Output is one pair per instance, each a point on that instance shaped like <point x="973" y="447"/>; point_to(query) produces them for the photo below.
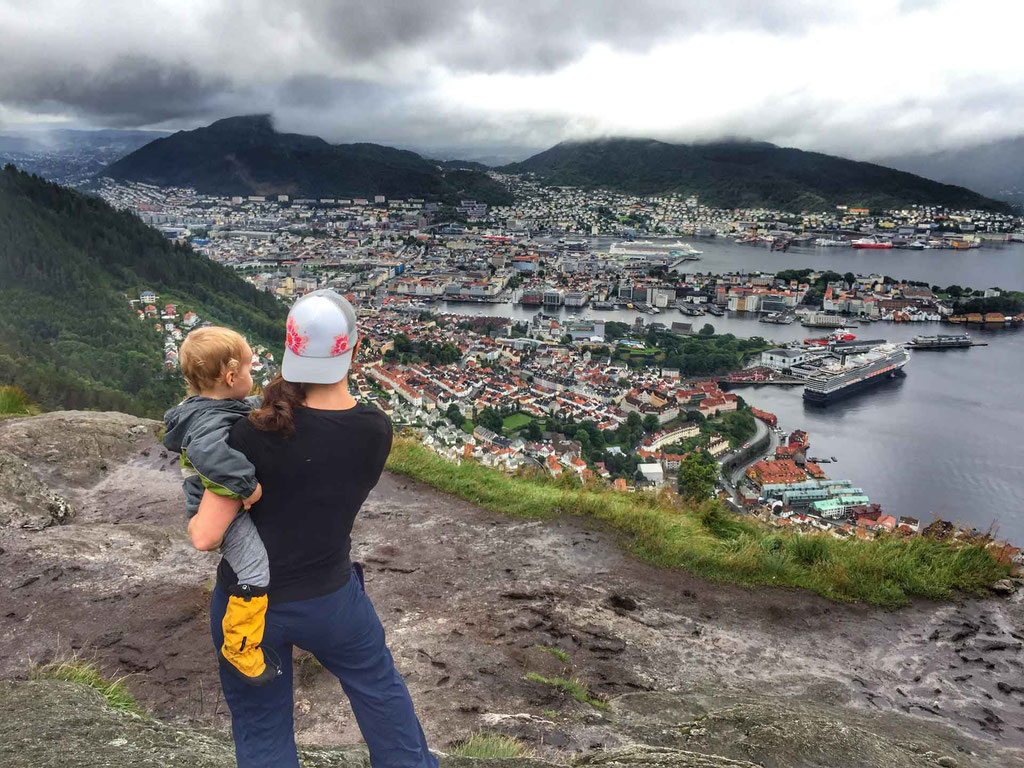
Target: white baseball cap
<point x="320" y="340"/>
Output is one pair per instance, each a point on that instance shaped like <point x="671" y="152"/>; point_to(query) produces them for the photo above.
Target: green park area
<point x="515" y="421"/>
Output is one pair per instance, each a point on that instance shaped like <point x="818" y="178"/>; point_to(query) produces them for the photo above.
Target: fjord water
<point x="947" y="440"/>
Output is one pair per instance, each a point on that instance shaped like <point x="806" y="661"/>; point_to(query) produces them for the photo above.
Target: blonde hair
<point x="207" y="354"/>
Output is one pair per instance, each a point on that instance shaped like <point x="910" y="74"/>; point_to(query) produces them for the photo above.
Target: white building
<point x="784" y="357"/>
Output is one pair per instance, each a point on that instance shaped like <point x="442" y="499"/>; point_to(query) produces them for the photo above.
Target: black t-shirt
<point x="314" y="483"/>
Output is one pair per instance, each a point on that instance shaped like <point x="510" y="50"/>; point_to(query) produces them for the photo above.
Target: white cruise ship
<point x="646" y="248"/>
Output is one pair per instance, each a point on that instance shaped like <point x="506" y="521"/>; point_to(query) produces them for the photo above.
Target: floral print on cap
<point x="296" y="340"/>
<point x="340" y="345"/>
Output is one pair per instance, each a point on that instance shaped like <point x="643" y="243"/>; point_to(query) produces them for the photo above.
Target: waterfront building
<point x="781" y="358"/>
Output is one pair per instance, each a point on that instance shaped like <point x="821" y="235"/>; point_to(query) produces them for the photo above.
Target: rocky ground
<point x="94" y="559"/>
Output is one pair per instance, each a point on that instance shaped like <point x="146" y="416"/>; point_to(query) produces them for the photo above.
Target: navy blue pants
<point x="343" y="632"/>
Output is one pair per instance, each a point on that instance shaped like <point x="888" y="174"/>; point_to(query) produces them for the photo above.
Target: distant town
<point x="577" y="394"/>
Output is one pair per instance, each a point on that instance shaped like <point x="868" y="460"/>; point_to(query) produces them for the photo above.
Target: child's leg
<point x="245" y="617"/>
<point x="243" y="548"/>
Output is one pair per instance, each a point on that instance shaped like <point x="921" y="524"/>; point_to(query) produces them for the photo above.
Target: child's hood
<point x="179" y="419"/>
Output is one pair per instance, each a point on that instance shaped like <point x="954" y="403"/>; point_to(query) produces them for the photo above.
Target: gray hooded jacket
<point x="198" y="429"/>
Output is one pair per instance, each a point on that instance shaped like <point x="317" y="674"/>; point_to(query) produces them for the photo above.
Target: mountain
<point x="68" y="336"/>
<point x="247" y="156"/>
<point x="740" y="174"/>
<point x="995" y="169"/>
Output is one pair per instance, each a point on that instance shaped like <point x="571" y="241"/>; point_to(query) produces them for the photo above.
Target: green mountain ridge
<point x="68" y="336"/>
<point x="246" y="156"/>
<point x="741" y="174"/>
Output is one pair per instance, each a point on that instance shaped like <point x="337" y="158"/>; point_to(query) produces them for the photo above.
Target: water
<point x="945" y="441"/>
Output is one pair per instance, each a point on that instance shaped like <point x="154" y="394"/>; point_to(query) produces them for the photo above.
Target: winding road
<point x="731" y="479"/>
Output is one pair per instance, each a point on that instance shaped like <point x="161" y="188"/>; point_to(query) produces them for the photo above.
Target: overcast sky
<point x="862" y="79"/>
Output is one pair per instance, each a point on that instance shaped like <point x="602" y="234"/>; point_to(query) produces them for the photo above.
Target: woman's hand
<point x="207" y="527"/>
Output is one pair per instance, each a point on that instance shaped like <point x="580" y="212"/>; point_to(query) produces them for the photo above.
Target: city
<point x="631" y="402"/>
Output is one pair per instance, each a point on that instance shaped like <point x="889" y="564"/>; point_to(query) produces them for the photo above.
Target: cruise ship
<point x="842" y="375"/>
<point x="641" y="248"/>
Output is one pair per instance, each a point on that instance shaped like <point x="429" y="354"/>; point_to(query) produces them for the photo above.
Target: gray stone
<point x="25" y="500"/>
<point x="77" y="447"/>
<point x="657" y="757"/>
<point x="65" y="725"/>
<point x="1004" y="587"/>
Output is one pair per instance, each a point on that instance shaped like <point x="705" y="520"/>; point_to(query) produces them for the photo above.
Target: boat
<point x="715" y="310"/>
<point x="822" y="320"/>
<point x="847" y="374"/>
<point x="640" y="248"/>
<point x="777" y="318"/>
<point x="828" y="242"/>
<point x="942" y="341"/>
<point x="841" y="335"/>
<point x="871" y="242"/>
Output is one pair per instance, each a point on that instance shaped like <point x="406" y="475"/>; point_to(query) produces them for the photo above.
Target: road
<point x="736" y="475"/>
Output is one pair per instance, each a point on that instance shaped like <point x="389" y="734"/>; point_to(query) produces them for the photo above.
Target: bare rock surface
<point x="25" y="500"/>
<point x="472" y="602"/>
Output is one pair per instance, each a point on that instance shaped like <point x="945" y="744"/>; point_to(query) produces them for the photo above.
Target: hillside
<point x="740" y="174"/>
<point x="247" y="156"/>
<point x="68" y="336"/>
<point x="474" y="602"/>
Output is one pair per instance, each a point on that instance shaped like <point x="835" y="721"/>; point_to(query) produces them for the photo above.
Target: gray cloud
<point x="404" y="71"/>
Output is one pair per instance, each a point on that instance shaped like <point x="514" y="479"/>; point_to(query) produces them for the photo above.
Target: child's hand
<point x="256" y="496"/>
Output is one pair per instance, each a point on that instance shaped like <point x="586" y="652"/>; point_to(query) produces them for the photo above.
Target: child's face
<point x="239" y="381"/>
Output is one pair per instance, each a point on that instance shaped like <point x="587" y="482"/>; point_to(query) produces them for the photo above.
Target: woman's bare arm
<point x="207" y="527"/>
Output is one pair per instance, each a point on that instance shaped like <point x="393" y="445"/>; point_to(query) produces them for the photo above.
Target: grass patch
<point x="491" y="746"/>
<point x="558" y="653"/>
<point x="14" y="402"/>
<point x="75" y="670"/>
<point x="572" y="686"/>
<point x="516" y="421"/>
<point x="716" y="545"/>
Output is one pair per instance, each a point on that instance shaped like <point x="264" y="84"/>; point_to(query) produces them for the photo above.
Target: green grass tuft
<point x="706" y="540"/>
<point x="491" y="746"/>
<point x="14" y="402"/>
<point x="558" y="653"/>
<point x="75" y="670"/>
<point x="572" y="686"/>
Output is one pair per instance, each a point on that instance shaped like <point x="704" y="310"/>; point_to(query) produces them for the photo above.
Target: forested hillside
<point x="68" y="264"/>
<point x="742" y="174"/>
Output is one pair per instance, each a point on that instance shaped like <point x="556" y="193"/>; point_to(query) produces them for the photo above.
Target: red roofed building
<point x="553" y="466"/>
<point x="781" y="472"/>
<point x="814" y="470"/>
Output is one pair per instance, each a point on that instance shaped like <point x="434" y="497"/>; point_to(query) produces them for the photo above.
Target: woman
<point x="317" y="454"/>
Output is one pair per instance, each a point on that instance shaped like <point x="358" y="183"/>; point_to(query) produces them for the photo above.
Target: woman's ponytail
<point x="280" y="399"/>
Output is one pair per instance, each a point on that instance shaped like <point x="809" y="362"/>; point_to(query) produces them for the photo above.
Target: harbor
<point x="938" y="443"/>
